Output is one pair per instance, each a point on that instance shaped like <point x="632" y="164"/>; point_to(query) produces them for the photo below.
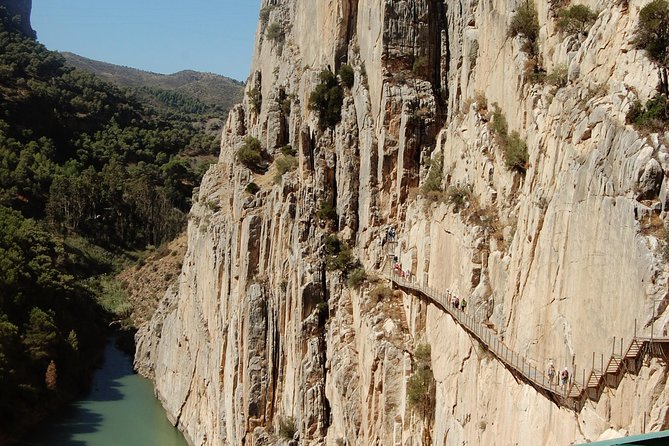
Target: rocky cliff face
<point x="261" y="338"/>
<point x="20" y="11"/>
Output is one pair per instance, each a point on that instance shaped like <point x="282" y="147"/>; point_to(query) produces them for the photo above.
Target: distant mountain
<point x="196" y="91"/>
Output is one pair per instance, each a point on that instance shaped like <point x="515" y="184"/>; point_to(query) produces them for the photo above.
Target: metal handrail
<point x="573" y="394"/>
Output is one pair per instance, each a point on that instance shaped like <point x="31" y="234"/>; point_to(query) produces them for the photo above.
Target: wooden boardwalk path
<point x="576" y="393"/>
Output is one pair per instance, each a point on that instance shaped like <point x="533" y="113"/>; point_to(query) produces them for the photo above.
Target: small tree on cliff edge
<point x="652" y="35"/>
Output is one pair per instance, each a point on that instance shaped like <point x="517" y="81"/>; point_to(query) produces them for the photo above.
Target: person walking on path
<point x="564" y="376"/>
<point x="463" y="304"/>
<point x="550" y="371"/>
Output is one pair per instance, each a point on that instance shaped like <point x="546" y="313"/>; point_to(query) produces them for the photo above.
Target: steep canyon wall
<point x="259" y="331"/>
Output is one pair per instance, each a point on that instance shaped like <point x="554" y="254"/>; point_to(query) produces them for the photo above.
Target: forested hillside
<point x="186" y="91"/>
<point x="89" y="177"/>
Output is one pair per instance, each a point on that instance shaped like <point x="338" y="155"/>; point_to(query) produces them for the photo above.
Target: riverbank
<point x="121" y="408"/>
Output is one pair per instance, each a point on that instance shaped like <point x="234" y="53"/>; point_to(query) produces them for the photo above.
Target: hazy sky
<point x="163" y="36"/>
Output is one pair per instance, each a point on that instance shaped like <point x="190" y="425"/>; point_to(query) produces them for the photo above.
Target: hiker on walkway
<point x="550" y="371"/>
<point x="390" y="234"/>
<point x="463" y="304"/>
<point x="457" y="302"/>
<point x="564" y="377"/>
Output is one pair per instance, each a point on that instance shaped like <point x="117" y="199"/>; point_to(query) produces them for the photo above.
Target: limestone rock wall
<point x="261" y="340"/>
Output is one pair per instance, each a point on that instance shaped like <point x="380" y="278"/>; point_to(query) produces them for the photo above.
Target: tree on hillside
<point x="652" y="35"/>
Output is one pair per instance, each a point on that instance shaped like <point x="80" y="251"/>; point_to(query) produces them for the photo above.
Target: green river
<point x="121" y="410"/>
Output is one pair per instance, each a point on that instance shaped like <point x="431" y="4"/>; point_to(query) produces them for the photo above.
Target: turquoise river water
<point x="121" y="410"/>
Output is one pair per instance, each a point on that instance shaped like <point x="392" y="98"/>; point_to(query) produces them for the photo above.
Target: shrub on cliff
<point x="255" y="99"/>
<point x="525" y="22"/>
<point x="346" y="75"/>
<point x="576" y="19"/>
<point x="250" y="153"/>
<point x="287" y="428"/>
<point x="516" y="155"/>
<point x="435" y="176"/>
<point x="652" y="33"/>
<point x="513" y="147"/>
<point x="275" y="32"/>
<point x="357" y="277"/>
<point x="327" y="99"/>
<point x="420" y="386"/>
<point x="653" y="117"/>
<point x="558" y="77"/>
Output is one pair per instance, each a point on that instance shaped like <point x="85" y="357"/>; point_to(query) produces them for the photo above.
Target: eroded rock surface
<point x="260" y="342"/>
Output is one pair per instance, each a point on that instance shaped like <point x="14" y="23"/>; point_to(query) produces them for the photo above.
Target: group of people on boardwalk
<point x="457" y="303"/>
<point x="564" y="375"/>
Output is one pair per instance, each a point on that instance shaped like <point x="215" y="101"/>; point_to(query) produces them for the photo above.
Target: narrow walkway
<point x="576" y="393"/>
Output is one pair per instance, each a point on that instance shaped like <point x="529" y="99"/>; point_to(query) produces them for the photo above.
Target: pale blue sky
<point x="163" y="36"/>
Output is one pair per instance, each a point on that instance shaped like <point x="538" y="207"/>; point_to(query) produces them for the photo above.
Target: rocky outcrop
<point x="262" y="341"/>
<point x="19" y="11"/>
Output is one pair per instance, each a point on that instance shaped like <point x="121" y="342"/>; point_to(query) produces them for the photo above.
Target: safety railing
<point x="574" y="393"/>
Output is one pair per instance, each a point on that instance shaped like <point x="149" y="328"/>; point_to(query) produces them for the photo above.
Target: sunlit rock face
<point x="260" y="340"/>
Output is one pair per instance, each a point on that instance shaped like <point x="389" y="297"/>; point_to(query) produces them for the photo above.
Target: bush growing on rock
<point x="652" y="117"/>
<point x="516" y="156"/>
<point x="288" y="150"/>
<point x="252" y="188"/>
<point x="458" y="195"/>
<point x="558" y="77"/>
<point x="346" y="75"/>
<point x="381" y="292"/>
<point x="525" y="22"/>
<point x="326" y="211"/>
<point x="287" y="428"/>
<point x="255" y="99"/>
<point x="576" y="19"/>
<point x="327" y="99"/>
<point x="275" y="32"/>
<point x="286" y="164"/>
<point x="356" y="278"/>
<point x="652" y="33"/>
<point x="250" y="153"/>
<point x="513" y="147"/>
<point x="420" y="385"/>
<point x="435" y="176"/>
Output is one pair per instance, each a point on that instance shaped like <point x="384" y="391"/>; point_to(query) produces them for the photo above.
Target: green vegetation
<point x="286" y="163"/>
<point x="47" y="313"/>
<point x="327" y="211"/>
<point x="252" y="188"/>
<point x="288" y="150"/>
<point x="264" y="15"/>
<point x="381" y="293"/>
<point x="458" y="195"/>
<point x="652" y="117"/>
<point x="339" y="256"/>
<point x="516" y="155"/>
<point x="250" y="153"/>
<point x="558" y="77"/>
<point x="356" y="278"/>
<point x="576" y="19"/>
<point x="525" y="22"/>
<point x="327" y="99"/>
<point x="89" y="177"/>
<point x="435" y="176"/>
<point x="275" y="32"/>
<point x="255" y="99"/>
<point x="420" y="386"/>
<point x="192" y="95"/>
<point x="652" y="33"/>
<point x="287" y="428"/>
<point x="346" y="75"/>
